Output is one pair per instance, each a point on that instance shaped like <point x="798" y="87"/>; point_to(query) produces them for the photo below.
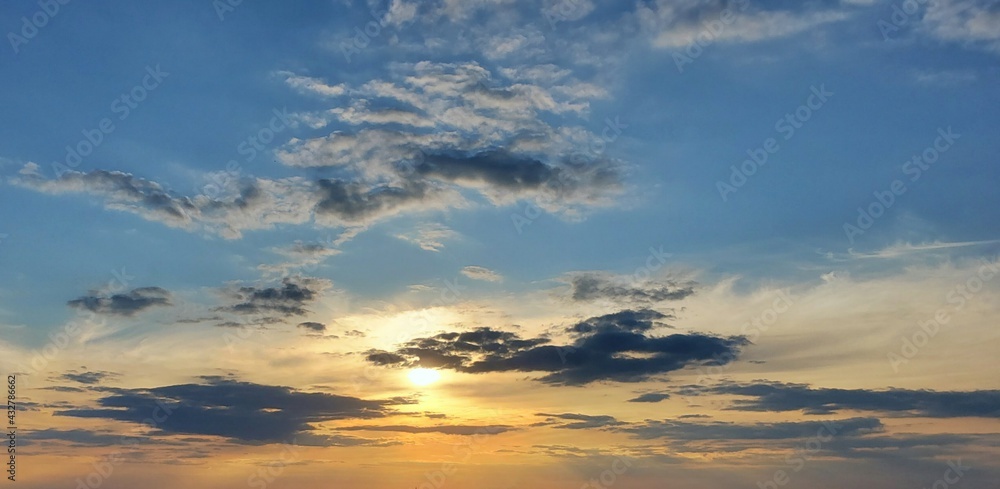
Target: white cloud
<point x="676" y="25"/>
<point x="481" y="273"/>
<point x="307" y="84"/>
<point x="429" y="236"/>
<point x="974" y="22"/>
<point x="901" y="249"/>
<point x="946" y="78"/>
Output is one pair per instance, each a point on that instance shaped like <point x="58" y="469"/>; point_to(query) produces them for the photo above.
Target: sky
<point x="501" y="243"/>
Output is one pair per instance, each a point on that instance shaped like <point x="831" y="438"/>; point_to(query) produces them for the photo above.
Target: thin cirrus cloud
<point x="299" y="255"/>
<point x="615" y="347"/>
<point x="680" y="24"/>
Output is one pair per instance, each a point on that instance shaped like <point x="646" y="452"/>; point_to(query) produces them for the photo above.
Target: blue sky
<point x="268" y="164"/>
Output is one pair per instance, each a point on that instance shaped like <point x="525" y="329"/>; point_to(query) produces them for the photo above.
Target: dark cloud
<point x="354" y="202"/>
<point x="247" y="205"/>
<point x="385" y="358"/>
<point x="197" y="320"/>
<point x="126" y="304"/>
<point x="77" y="437"/>
<point x="650" y="397"/>
<point x="775" y="396"/>
<point x="615" y="347"/>
<point x="445" y="429"/>
<point x="578" y="421"/>
<point x="313" y="326"/>
<point x="88" y="377"/>
<point x="64" y="388"/>
<point x="241" y="411"/>
<point x="497" y="168"/>
<point x="681" y="430"/>
<point x="586" y="287"/>
<point x="300" y="249"/>
<point x="288" y="299"/>
<point x="504" y="171"/>
<point x="156" y="201"/>
<point x="635" y="321"/>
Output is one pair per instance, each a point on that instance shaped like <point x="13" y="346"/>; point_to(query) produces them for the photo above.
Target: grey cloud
<point x="250" y="204"/>
<point x="290" y="298"/>
<point x="78" y="437"/>
<point x="650" y="397"/>
<point x="579" y="421"/>
<point x="590" y="286"/>
<point x="89" y="378"/>
<point x="125" y="304"/>
<point x="355" y="203"/>
<point x="313" y="326"/>
<point x="681" y="430"/>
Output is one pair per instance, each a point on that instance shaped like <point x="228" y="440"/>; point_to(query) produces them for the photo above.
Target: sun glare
<point x="424" y="376"/>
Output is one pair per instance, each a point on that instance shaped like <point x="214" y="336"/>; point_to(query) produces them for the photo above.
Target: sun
<point x="424" y="376"/>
